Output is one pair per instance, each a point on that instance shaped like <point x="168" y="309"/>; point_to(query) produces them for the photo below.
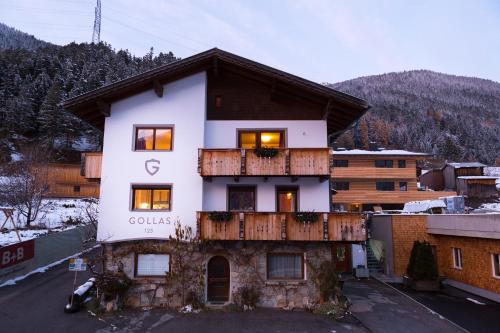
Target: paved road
<point x="383" y="309"/>
<point x="36" y="305"/>
<point x="453" y="304"/>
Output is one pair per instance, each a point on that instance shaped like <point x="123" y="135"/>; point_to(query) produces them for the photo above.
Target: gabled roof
<point x="340" y="110"/>
<point x="466" y="165"/>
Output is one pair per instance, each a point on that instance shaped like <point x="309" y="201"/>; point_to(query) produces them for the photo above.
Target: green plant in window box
<point x="266" y="152"/>
<point x="220" y="216"/>
<point x="306" y="217"/>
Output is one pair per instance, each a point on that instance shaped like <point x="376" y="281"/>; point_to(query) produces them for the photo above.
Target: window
<point x="153" y="138"/>
<point x="340" y="163"/>
<point x="401" y="163"/>
<point x="340" y="186"/>
<point x="261" y="139"/>
<point x="289" y="266"/>
<point x="241" y="198"/>
<point x="156" y="197"/>
<point x="76" y="188"/>
<point x="152" y="264"/>
<point x="403" y="186"/>
<point x="383" y="163"/>
<point x="286" y="199"/>
<point x="496" y="264"/>
<point x="384" y="186"/>
<point x="218" y="102"/>
<point x="457" y="257"/>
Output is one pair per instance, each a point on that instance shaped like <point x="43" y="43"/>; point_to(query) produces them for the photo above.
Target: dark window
<point x="383" y="163"/>
<point x="76" y="188"/>
<point x="385" y="186"/>
<point x="261" y="139"/>
<point x="401" y="163"/>
<point x="289" y="266"/>
<point x="218" y="102"/>
<point x="156" y="197"/>
<point x="340" y="186"/>
<point x="403" y="186"/>
<point x="496" y="264"/>
<point x="286" y="199"/>
<point x="153" y="138"/>
<point x="241" y="198"/>
<point x="340" y="163"/>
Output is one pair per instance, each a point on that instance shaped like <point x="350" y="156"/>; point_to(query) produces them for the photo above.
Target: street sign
<point x="78" y="264"/>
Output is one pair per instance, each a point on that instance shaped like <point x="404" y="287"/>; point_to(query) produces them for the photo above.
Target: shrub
<point x="327" y="281"/>
<point x="73" y="221"/>
<point x="195" y="300"/>
<point x="112" y="285"/>
<point x="422" y="264"/>
<point x="247" y="296"/>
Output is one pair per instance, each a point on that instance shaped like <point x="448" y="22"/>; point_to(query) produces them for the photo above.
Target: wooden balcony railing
<point x="91" y="165"/>
<point x="262" y="226"/>
<point x="244" y="162"/>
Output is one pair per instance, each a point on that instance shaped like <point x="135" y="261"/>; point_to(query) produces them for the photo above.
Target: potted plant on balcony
<point x="422" y="268"/>
<point x="306" y="217"/>
<point x="266" y="152"/>
<point x="220" y="216"/>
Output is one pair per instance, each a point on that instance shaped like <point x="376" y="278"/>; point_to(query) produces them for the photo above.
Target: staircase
<point x="373" y="264"/>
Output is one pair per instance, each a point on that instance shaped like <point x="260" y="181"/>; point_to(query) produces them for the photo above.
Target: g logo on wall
<point x="152" y="166"/>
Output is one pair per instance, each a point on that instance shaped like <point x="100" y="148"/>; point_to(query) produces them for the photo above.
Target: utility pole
<point x="96" y="34"/>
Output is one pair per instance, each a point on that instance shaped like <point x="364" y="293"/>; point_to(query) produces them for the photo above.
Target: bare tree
<point x="27" y="183"/>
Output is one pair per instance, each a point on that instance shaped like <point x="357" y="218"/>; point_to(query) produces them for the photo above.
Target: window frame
<point x="258" y="132"/>
<point x="142" y="186"/>
<point x="382" y="190"/>
<point x="497" y="260"/>
<point x="341" y="182"/>
<point x="154" y="128"/>
<point x="389" y="164"/>
<point x="302" y="271"/>
<point x="294" y="189"/>
<point x="405" y="186"/>
<point x="232" y="187"/>
<point x="401" y="164"/>
<point x="136" y="264"/>
<point x="336" y="163"/>
<point x="454" y="251"/>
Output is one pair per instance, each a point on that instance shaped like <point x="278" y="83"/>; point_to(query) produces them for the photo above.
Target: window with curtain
<point x="289" y="266"/>
<point x="156" y="197"/>
<point x="152" y="264"/>
<point x="153" y="138"/>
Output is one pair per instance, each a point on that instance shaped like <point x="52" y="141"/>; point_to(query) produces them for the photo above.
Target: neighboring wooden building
<point x="453" y="170"/>
<point x="477" y="186"/>
<point x="366" y="180"/>
<point x="467" y="247"/>
<point x="432" y="179"/>
<point x="65" y="181"/>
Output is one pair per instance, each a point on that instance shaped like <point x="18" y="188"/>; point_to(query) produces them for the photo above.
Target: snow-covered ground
<point x="53" y="217"/>
<point x="494" y="206"/>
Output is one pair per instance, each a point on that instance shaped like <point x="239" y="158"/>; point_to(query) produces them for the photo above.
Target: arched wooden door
<point x="218" y="279"/>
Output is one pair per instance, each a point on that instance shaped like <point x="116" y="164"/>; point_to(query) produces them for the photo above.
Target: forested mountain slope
<point x="452" y="117"/>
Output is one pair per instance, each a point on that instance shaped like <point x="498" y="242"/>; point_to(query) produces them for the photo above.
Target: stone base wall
<point x="248" y="267"/>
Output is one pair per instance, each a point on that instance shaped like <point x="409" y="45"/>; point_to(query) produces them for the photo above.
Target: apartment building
<point x="234" y="150"/>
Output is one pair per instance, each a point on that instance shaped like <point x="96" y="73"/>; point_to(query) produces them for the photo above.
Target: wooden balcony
<point x="294" y="162"/>
<point x="91" y="165"/>
<point x="272" y="226"/>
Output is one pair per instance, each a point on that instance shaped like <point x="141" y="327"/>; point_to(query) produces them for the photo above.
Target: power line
<point x="96" y="34"/>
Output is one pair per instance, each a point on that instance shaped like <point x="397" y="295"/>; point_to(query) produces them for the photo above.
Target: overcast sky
<point x="322" y="40"/>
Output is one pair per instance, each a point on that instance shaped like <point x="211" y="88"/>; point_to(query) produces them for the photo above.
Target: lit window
<point x="285" y="266"/>
<point x="286" y="199"/>
<point x="496" y="264"/>
<point x="151" y="198"/>
<point x="152" y="264"/>
<point x="153" y="139"/>
<point x="261" y="139"/>
<point x="457" y="257"/>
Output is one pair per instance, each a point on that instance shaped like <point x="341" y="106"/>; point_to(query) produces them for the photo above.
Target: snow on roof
<point x="492" y="171"/>
<point x="466" y="165"/>
<point x="424" y="172"/>
<point x="476" y="177"/>
<point x="377" y="152"/>
<point x="422" y="206"/>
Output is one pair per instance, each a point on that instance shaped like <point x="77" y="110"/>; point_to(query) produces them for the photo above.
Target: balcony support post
<point x="242" y="225"/>
<point x="198" y="225"/>
<point x="287" y="162"/>
<point x="283" y="226"/>
<point x="243" y="167"/>
<point x="325" y="226"/>
<point x="200" y="157"/>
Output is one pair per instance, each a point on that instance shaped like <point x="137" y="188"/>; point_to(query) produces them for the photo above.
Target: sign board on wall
<point x="16" y="253"/>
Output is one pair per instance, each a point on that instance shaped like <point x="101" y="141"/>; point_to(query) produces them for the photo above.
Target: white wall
<point x="182" y="105"/>
<point x="299" y="133"/>
<point x="313" y="195"/>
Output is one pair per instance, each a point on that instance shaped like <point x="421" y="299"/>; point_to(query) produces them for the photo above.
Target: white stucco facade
<point x="183" y="106"/>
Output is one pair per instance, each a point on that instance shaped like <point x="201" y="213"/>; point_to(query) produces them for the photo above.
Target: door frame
<point x="229" y="296"/>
